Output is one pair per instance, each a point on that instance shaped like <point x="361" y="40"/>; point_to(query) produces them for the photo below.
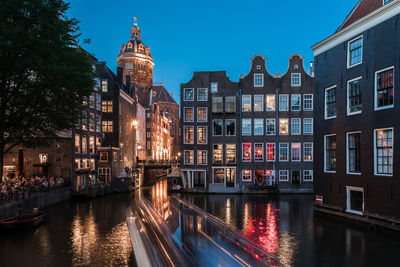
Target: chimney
<point x="312" y="68"/>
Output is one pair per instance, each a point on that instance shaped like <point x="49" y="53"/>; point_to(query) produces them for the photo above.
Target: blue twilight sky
<point x="186" y="36"/>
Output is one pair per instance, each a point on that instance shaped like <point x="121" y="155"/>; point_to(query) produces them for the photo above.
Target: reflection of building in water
<point x="160" y="198"/>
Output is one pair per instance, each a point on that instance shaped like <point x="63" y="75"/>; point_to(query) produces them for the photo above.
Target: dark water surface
<point x="94" y="233"/>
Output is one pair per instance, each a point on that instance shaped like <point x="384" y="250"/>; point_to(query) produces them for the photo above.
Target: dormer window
<point x="258" y="80"/>
<point x="296" y="79"/>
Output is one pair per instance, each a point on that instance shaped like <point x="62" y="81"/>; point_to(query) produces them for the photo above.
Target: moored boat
<point x="26" y="220"/>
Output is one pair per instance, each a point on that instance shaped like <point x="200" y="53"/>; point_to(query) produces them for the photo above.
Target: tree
<point x="44" y="75"/>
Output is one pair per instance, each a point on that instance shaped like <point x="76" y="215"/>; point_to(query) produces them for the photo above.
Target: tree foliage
<point x="44" y="75"/>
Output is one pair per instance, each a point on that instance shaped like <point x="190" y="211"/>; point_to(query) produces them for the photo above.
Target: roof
<point x="160" y="93"/>
<point x="361" y="9"/>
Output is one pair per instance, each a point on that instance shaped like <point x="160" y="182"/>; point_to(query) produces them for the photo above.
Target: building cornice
<point x="126" y="97"/>
<point x="378" y="16"/>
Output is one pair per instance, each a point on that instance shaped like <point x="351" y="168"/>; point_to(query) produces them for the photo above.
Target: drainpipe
<point x="239" y="131"/>
<point x="276" y="162"/>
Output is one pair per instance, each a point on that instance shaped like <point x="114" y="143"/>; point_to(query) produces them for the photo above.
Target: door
<point x="295" y="177"/>
<point x="230" y="177"/>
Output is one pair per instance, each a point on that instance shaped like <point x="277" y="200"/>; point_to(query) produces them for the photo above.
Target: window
<point x="307" y="175"/>
<point x="296" y="126"/>
<point x="84" y="144"/>
<point x="85" y="121"/>
<point x="217" y="154"/>
<point x="189" y="157"/>
<point x="354" y="52"/>
<point x="308" y="102"/>
<point x="246" y="152"/>
<point x="270" y="127"/>
<point x="217" y="127"/>
<point x="104" y="86"/>
<point x="199" y="178"/>
<point x="283" y="126"/>
<point x="202" y="114"/>
<point x="107" y="126"/>
<point x="296" y="102"/>
<point x="217" y="104"/>
<point x="98" y="123"/>
<point x="270" y="150"/>
<point x="354" y="96"/>
<point x="77" y="143"/>
<point x="230" y="154"/>
<point x="308" y="125"/>
<point x="201" y="135"/>
<point x="355" y="199"/>
<point x="103" y="156"/>
<point x="202" y="157"/>
<point x="283" y="176"/>
<point x="270" y="103"/>
<point x="308" y="151"/>
<point x="330" y="153"/>
<point x="188" y="94"/>
<point x="296" y="79"/>
<point x="259" y="67"/>
<point x="296" y="151"/>
<point x="330" y="103"/>
<point x="189" y="134"/>
<point x="246" y="103"/>
<point x="91" y="145"/>
<point x="246" y="176"/>
<point x="230" y="104"/>
<point x="246" y="126"/>
<point x="258" y="126"/>
<point x="354" y="153"/>
<point x="259" y="177"/>
<point x="202" y="94"/>
<point x="283" y="102"/>
<point x="230" y="127"/>
<point x="188" y="114"/>
<point x="258" y="80"/>
<point x="258" y="152"/>
<point x="284" y="151"/>
<point x="106" y="106"/>
<point x="219" y="175"/>
<point x="383" y="151"/>
<point x="92" y="122"/>
<point x="258" y="102"/>
<point x="98" y="102"/>
<point x="214" y="87"/>
<point x="384" y="89"/>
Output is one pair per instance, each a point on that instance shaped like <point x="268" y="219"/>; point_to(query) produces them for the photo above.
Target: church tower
<point x="135" y="61"/>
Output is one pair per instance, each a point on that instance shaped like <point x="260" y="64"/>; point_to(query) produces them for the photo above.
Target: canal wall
<point x="40" y="200"/>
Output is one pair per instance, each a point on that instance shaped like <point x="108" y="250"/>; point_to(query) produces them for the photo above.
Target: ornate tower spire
<point x="135" y="31"/>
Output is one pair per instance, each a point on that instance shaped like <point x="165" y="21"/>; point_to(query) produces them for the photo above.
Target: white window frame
<point x="312" y="151"/>
<point x="249" y="98"/>
<point x="267" y="124"/>
<point x="348" y="51"/>
<point x="287" y="149"/>
<point x="312" y="126"/>
<point x="222" y="151"/>
<point x="291" y="126"/>
<point x="251" y="127"/>
<point x="291" y="152"/>
<point x="216" y="87"/>
<point x="376" y="108"/>
<point x="348" y="97"/>
<point x="287" y="101"/>
<point x="212" y="128"/>
<point x="266" y="103"/>
<point x="312" y="176"/>
<point x="254" y="103"/>
<point x="226" y="154"/>
<point x="376" y="156"/>
<point x="288" y="129"/>
<point x="287" y="176"/>
<point x="184" y="114"/>
<point x="184" y="132"/>
<point x="304" y="102"/>
<point x="347" y="154"/>
<point x="213" y="175"/>
<point x="206" y="161"/>
<point x="325" y="107"/>
<point x="251" y="176"/>
<point x="266" y="152"/>
<point x="348" y="203"/>
<point x="254" y="151"/>
<point x="262" y="80"/>
<point x="197" y="133"/>
<point x="292" y="77"/>
<point x="251" y="151"/>
<point x="325" y="136"/>
<point x="226" y="128"/>
<point x="291" y="102"/>
<point x="198" y="108"/>
<point x="184" y="157"/>
<point x="202" y="100"/>
<point x="184" y="94"/>
<point x="254" y="125"/>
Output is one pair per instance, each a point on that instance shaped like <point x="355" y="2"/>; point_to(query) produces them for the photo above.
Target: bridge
<point x="168" y="231"/>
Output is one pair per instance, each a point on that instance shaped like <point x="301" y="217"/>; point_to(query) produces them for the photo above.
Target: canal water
<point x="94" y="233"/>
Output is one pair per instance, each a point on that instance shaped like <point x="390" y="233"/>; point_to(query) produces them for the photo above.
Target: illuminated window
<point x="246" y="152"/>
<point x="106" y="106"/>
<point x="296" y="79"/>
<point x="246" y="103"/>
<point x="107" y="126"/>
<point x="188" y="157"/>
<point x="270" y="103"/>
<point x="246" y="126"/>
<point x="283" y="151"/>
<point x="189" y="132"/>
<point x="188" y="114"/>
<point x="308" y="151"/>
<point x="296" y="151"/>
<point x="296" y="102"/>
<point x="217" y="103"/>
<point x="43" y="158"/>
<point x="202" y="157"/>
<point x="283" y="126"/>
<point x="201" y="135"/>
<point x="259" y="177"/>
<point x="202" y="94"/>
<point x="270" y="127"/>
<point x="104" y="86"/>
<point x="246" y="176"/>
<point x="383" y="152"/>
<point x="84" y="144"/>
<point x="258" y="102"/>
<point x="283" y="102"/>
<point x="202" y="114"/>
<point x="103" y="156"/>
<point x="258" y="152"/>
<point x="77" y="143"/>
<point x="258" y="80"/>
<point x="270" y="151"/>
<point x="258" y="126"/>
<point x="91" y="145"/>
<point x="219" y="175"/>
<point x="330" y="153"/>
<point x="230" y="154"/>
<point x="217" y="153"/>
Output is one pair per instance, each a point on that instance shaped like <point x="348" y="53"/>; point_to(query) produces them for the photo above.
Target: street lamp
<point x="135" y="123"/>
